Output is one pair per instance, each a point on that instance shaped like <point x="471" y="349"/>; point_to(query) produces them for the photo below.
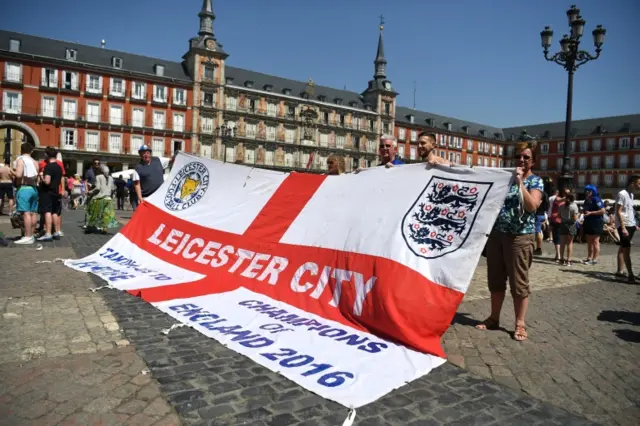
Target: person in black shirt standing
<point x="120" y="186"/>
<point x="148" y="175"/>
<point x="50" y="198"/>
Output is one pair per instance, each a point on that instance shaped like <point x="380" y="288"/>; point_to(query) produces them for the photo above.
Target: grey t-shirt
<point x="568" y="211"/>
<point x="151" y="176"/>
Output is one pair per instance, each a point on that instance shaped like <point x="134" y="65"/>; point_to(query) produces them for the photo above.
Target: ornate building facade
<point x="91" y="101"/>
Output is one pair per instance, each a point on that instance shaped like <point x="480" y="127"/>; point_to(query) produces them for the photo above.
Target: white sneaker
<point x="26" y="240"/>
<point x="46" y="237"/>
<point x="60" y="234"/>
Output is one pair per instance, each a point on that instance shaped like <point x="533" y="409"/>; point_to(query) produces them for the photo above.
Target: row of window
<point x="453" y="142"/>
<point x="69" y="141"/>
<point x="612" y="144"/>
<point x="12" y="103"/>
<point x="583" y="162"/>
<point x="594" y="179"/>
<point x="94" y="84"/>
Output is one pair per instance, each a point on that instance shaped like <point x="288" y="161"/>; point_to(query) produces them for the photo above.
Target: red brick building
<point x="92" y="101"/>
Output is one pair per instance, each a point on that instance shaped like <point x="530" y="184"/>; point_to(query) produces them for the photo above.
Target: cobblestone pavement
<point x="63" y="357"/>
<point x="207" y="383"/>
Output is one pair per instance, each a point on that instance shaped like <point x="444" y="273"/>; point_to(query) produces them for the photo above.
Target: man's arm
<point x="620" y="217"/>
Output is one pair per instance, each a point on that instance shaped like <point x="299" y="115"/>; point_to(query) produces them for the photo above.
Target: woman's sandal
<point x="489" y="324"/>
<point x="520" y="334"/>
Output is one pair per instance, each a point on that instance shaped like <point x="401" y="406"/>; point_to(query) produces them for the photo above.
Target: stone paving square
<point x="71" y="356"/>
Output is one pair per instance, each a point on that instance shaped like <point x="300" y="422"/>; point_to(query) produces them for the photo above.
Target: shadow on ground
<point x="625" y="318"/>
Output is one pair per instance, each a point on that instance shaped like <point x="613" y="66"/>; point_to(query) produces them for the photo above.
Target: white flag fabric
<point x="343" y="284"/>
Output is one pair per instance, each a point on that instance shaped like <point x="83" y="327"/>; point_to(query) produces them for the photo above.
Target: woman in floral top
<point x="511" y="243"/>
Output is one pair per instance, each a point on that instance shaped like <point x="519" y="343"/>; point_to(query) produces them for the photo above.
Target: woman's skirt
<point x="101" y="214"/>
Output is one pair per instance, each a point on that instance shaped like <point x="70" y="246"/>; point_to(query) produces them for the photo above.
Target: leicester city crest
<point x="442" y="217"/>
<point x="187" y="187"/>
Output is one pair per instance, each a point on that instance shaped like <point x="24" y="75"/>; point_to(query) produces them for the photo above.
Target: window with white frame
<point x="479" y="161"/>
<point x="510" y="150"/>
<point x="230" y="153"/>
<point x="500" y="150"/>
<point x="208" y="73"/>
<point x="469" y="145"/>
<point x="178" y="122"/>
<point x="92" y="140"/>
<point x="340" y="141"/>
<point x="206" y="125"/>
<point x="251" y="130"/>
<point x="271" y="133"/>
<point x="401" y="150"/>
<point x="71" y="54"/>
<point x="611" y="144"/>
<point x="157" y="145"/>
<point x="560" y="147"/>
<point x="49" y="77"/>
<point x="231" y="103"/>
<point x="138" y="117"/>
<point x="595" y="179"/>
<point x="138" y="90"/>
<point x="595" y="162"/>
<point x="69" y="109"/>
<point x="289" y="135"/>
<point x="636" y="161"/>
<point x="116" y="88"/>
<point x="136" y="142"/>
<point x="469" y="160"/>
<point x="249" y="156"/>
<point x="486" y="162"/>
<point x="608" y="180"/>
<point x="622" y="161"/>
<point x="116" y="62"/>
<point x="608" y="161"/>
<point x="69" y="80"/>
<point x="544" y="148"/>
<point x="596" y="145"/>
<point x="115" y="143"/>
<point x="69" y="138"/>
<point x="412" y="153"/>
<point x="355" y="122"/>
<point x="324" y="139"/>
<point x="272" y="109"/>
<point x="414" y="135"/>
<point x="13" y="72"/>
<point x="209" y="99"/>
<point x="582" y="180"/>
<point x="372" y="146"/>
<point x="268" y="158"/>
<point x="94" y="83"/>
<point x="493" y="162"/>
<point x="622" y="181"/>
<point x="584" y="146"/>
<point x="115" y="114"/>
<point x="544" y="163"/>
<point x="582" y="163"/>
<point x="48" y="106"/>
<point x="159" y="93"/>
<point x="401" y="133"/>
<point x="158" y="120"/>
<point x="636" y="142"/>
<point x="559" y="163"/>
<point x="624" y="143"/>
<point x="179" y="96"/>
<point x="176" y="145"/>
<point x="93" y="112"/>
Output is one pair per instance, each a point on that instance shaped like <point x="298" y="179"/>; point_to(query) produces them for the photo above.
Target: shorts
<point x="50" y="202"/>
<point x="555" y="233"/>
<point x="6" y="189"/>
<point x="27" y="199"/>
<point x="539" y="222"/>
<point x="593" y="227"/>
<point x="509" y="258"/>
<point x="569" y="228"/>
<point x="625" y="241"/>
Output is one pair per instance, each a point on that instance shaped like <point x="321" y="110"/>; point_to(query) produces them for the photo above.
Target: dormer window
<point x="338" y="101"/>
<point x="512" y="137"/>
<point x="483" y="132"/>
<point x="116" y="62"/>
<point x="498" y="135"/>
<point x="465" y="129"/>
<point x="159" y="70"/>
<point x="599" y="129"/>
<point x="304" y="95"/>
<point x="71" y="55"/>
<point x="322" y="98"/>
<point x="547" y="134"/>
<point x="411" y="118"/>
<point x="430" y="122"/>
<point x="229" y="80"/>
<point x="286" y="91"/>
<point x="268" y="87"/>
<point x="447" y="126"/>
<point x="353" y="104"/>
<point x="367" y="107"/>
<point x="14" y="45"/>
<point x="248" y="84"/>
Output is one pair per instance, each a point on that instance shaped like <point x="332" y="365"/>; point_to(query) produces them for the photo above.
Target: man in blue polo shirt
<point x="388" y="151"/>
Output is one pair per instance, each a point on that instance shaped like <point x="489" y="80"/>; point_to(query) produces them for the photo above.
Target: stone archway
<point x="32" y="137"/>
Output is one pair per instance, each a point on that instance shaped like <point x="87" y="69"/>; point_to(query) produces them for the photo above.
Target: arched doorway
<point x="29" y="136"/>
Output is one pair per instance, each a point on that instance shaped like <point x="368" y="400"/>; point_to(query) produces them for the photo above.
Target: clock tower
<point x="380" y="94"/>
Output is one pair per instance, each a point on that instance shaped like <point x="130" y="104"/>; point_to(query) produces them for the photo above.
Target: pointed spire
<point x="380" y="63"/>
<point x="206" y="18"/>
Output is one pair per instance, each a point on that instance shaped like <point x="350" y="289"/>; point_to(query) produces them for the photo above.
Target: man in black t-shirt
<point x="50" y="198"/>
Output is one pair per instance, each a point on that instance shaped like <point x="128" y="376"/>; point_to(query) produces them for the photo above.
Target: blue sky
<point x="475" y="60"/>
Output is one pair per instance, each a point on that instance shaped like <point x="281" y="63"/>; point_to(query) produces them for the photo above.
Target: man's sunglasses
<point x="524" y="157"/>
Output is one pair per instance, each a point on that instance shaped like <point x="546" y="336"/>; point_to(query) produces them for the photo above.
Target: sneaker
<point x="26" y="240"/>
<point x="537" y="252"/>
<point x="61" y="234"/>
<point x="46" y="237"/>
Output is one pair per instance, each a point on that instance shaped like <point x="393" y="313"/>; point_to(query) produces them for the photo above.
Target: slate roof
<point x="56" y="49"/>
<point x="439" y="121"/>
<point x="240" y="76"/>
<point x="580" y="128"/>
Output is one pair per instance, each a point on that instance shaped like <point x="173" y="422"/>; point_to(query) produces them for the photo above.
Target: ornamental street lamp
<point x="570" y="57"/>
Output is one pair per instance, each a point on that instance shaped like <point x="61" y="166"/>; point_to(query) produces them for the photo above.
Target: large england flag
<point x="343" y="284"/>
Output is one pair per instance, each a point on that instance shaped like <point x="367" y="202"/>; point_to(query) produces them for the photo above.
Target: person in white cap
<point x="148" y="175"/>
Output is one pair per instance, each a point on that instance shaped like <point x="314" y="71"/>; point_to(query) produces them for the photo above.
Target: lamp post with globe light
<point x="570" y="57"/>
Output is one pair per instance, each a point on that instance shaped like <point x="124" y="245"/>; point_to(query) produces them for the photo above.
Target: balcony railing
<point x="13" y="77"/>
